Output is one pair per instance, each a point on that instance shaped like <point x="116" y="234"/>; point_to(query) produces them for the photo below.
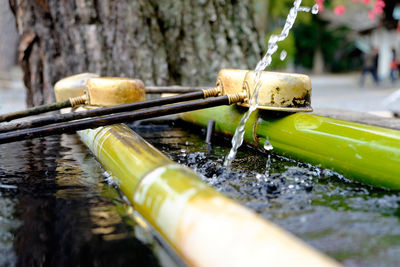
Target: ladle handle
<point x="74" y="126"/>
<point x="35" y="110"/>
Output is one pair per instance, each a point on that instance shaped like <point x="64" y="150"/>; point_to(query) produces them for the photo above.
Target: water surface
<point x="353" y="223"/>
<point x="57" y="210"/>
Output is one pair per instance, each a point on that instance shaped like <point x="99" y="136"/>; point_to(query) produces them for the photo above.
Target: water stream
<point x="237" y="139"/>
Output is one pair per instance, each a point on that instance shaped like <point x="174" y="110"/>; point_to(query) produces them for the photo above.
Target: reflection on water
<point x="55" y="209"/>
<point x="355" y="224"/>
<point x="8" y="224"/>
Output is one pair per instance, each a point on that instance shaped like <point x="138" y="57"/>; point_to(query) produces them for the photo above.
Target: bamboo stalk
<point x="59" y="118"/>
<point x="73" y="126"/>
<point x="201" y="224"/>
<point x="361" y="152"/>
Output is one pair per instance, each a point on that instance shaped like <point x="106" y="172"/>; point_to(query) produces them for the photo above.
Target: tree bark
<point x="162" y="42"/>
<point x="8" y="40"/>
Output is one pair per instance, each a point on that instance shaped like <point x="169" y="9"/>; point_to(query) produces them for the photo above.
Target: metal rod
<point x="35" y="110"/>
<point x="101" y="111"/>
<point x="73" y="126"/>
<point x="210" y="131"/>
<point x="172" y="89"/>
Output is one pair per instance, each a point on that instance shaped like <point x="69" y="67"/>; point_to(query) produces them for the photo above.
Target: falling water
<point x="237" y="139"/>
<point x="268" y="147"/>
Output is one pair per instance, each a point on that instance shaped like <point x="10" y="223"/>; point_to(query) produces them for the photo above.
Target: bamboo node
<point x="211" y="92"/>
<point x="79" y="100"/>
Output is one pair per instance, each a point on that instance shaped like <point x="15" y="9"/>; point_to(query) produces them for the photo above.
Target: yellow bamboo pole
<point x="205" y="227"/>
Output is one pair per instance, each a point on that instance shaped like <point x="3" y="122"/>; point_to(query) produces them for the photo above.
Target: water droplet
<point x="283" y="55"/>
<point x="268" y="146"/>
<point x="315" y="9"/>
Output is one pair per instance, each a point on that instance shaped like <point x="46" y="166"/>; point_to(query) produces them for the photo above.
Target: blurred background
<point x="331" y="47"/>
<point x="12" y="90"/>
<point x="323" y="43"/>
<point x="332" y="41"/>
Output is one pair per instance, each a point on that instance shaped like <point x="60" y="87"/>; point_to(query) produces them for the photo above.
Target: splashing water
<point x="268" y="147"/>
<point x="237" y="139"/>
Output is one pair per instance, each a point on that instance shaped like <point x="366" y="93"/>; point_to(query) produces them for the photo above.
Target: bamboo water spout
<point x="287" y="92"/>
<point x="364" y="153"/>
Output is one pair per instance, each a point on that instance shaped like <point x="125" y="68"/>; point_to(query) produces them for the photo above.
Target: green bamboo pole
<point x="361" y="152"/>
<point x="205" y="228"/>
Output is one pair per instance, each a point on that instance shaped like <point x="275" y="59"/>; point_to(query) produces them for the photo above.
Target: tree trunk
<point x="161" y="42"/>
<point x="8" y="40"/>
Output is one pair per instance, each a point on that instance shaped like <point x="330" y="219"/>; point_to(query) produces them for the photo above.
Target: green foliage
<point x="307" y="40"/>
<point x="338" y="52"/>
<point x="309" y="34"/>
